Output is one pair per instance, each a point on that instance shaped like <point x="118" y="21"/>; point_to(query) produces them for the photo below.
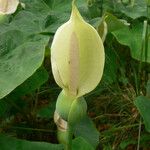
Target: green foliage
<point x="80" y="144"/>
<point x="28" y="92"/>
<point x="48" y="111"/>
<point x="31" y="84"/>
<point x="21" y="45"/>
<point x="17" y="55"/>
<point x="113" y="22"/>
<point x="132" y="37"/>
<point x="16" y="144"/>
<point x="133" y="9"/>
<point x="27" y="87"/>
<point x="148" y="89"/>
<point x="110" y="71"/>
<point x="87" y="130"/>
<point x="125" y="143"/>
<point x="143" y="105"/>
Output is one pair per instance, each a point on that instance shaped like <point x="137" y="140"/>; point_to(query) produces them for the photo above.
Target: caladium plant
<point x="77" y="58"/>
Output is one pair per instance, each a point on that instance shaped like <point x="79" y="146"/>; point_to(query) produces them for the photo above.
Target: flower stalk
<point x="77" y="58"/>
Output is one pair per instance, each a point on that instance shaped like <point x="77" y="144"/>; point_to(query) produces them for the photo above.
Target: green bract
<point x="77" y="56"/>
<point x="71" y="109"/>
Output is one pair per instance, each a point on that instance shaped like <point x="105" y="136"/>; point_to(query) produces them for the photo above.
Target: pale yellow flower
<point x="8" y="6"/>
<point x="77" y="56"/>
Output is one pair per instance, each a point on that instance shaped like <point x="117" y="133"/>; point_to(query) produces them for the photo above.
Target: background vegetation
<point x="119" y="107"/>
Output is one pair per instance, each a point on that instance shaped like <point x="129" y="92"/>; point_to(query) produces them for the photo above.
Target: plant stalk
<point x="70" y="134"/>
<point x="143" y="50"/>
<point x="139" y="135"/>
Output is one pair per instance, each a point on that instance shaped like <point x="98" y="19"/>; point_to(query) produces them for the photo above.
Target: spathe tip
<point x="73" y="2"/>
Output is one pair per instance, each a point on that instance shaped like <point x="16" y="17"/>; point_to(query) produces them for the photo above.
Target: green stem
<point x="70" y="134"/>
<point x="146" y="44"/>
<point x="143" y="49"/>
<point x="135" y="79"/>
<point x="65" y="137"/>
<point x="3" y="19"/>
<point x="139" y="135"/>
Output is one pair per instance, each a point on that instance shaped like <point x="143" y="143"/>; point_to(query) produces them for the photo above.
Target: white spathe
<point x="8" y="6"/>
<point x="77" y="56"/>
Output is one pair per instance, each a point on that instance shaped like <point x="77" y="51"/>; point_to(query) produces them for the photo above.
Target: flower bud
<point x="77" y="56"/>
<point x="70" y="109"/>
<point x="8" y="6"/>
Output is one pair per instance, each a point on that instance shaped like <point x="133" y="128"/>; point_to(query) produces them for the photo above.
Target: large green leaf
<point x="132" y="37"/>
<point x="131" y="8"/>
<point x="143" y="105"/>
<point x="20" y="57"/>
<point x="22" y="47"/>
<point x="113" y="22"/>
<point x="134" y="9"/>
<point x="30" y="20"/>
<point x="9" y="143"/>
<point x="32" y="83"/>
<point x="22" y="23"/>
<point x="88" y="131"/>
